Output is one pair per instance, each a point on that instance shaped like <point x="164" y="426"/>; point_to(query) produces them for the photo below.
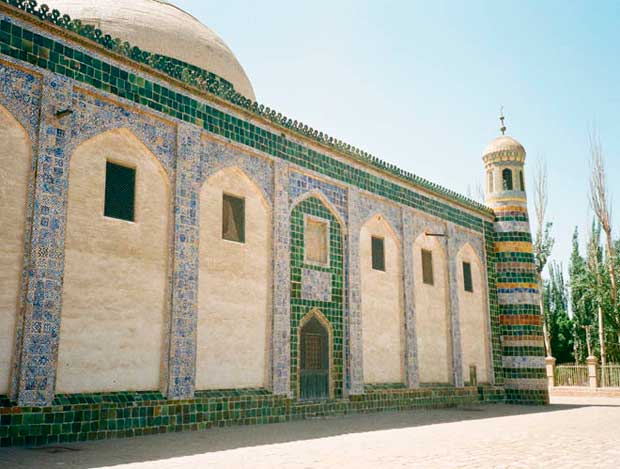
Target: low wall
<point x="583" y="391"/>
<point x="81" y="417"/>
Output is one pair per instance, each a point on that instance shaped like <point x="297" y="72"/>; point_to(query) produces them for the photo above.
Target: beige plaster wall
<point x="115" y="284"/>
<point x="472" y="317"/>
<point x="15" y="167"/>
<point x="432" y="314"/>
<point x="382" y="307"/>
<point x="234" y="296"/>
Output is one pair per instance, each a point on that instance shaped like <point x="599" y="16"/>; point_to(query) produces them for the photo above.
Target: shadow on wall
<point x="174" y="445"/>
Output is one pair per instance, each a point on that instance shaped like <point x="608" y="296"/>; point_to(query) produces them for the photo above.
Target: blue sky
<point x="420" y="84"/>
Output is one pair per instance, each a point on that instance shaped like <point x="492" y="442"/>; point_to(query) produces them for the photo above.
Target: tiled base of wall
<point x="527" y="396"/>
<point x="81" y="417"/>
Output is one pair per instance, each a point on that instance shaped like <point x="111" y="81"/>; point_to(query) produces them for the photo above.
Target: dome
<point x="159" y="27"/>
<point x="504" y="144"/>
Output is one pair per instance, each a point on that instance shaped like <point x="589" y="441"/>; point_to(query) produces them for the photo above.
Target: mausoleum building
<point x="175" y="256"/>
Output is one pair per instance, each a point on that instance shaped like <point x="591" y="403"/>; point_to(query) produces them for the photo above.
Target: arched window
<point x="490" y="181"/>
<point x="507" y="179"/>
<point x="521" y="180"/>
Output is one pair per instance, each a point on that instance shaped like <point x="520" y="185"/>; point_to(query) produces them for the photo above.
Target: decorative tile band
<point x="520" y="298"/>
<point x="521" y="319"/>
<point x="522" y="341"/>
<point x="514" y="247"/>
<point x="511" y="225"/>
<point x="523" y="361"/>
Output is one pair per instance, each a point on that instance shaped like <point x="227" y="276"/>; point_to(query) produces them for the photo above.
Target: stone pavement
<point x="573" y="432"/>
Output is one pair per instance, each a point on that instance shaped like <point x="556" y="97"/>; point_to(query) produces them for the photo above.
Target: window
<point x="467" y="281"/>
<point x="427" y="267"/>
<point x="120" y="190"/>
<point x="507" y="179"/>
<point x="378" y="254"/>
<point x="521" y="180"/>
<point x="233" y="218"/>
<point x="315" y="243"/>
<point x="490" y="181"/>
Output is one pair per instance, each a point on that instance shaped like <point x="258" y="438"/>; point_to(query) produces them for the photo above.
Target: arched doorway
<point x="314" y="360"/>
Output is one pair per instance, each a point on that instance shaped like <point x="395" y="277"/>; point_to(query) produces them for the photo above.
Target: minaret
<point x="521" y="333"/>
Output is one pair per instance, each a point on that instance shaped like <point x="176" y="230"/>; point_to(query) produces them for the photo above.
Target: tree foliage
<point x="591" y="287"/>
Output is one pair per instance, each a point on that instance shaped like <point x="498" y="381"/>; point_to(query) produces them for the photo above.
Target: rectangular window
<point x="378" y="254"/>
<point x="120" y="191"/>
<point x="467" y="281"/>
<point x="315" y="242"/>
<point x="233" y="218"/>
<point x="427" y="267"/>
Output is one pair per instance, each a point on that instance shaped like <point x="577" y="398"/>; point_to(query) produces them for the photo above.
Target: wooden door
<point x="314" y="364"/>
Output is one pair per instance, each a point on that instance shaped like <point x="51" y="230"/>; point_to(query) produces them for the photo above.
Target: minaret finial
<point x="501" y="119"/>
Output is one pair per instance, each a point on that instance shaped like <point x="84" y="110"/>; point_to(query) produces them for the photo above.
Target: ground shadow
<point x="171" y="445"/>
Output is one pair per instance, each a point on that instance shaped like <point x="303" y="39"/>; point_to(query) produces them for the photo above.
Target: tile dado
<point x="118" y="415"/>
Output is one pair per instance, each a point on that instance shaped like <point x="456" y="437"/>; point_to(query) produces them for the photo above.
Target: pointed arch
<point x="432" y="312"/>
<point x="236" y="171"/>
<point x="116" y="290"/>
<point x="473" y="314"/>
<point x="315" y="193"/>
<point x="15" y="179"/>
<point x="234" y="285"/>
<point x="381" y="219"/>
<point x="315" y="313"/>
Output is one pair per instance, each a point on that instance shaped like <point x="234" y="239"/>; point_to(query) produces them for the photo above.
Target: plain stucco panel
<point x="15" y="164"/>
<point x="382" y="307"/>
<point x="431" y="314"/>
<point x="234" y="296"/>
<point x="472" y="316"/>
<point x="115" y="284"/>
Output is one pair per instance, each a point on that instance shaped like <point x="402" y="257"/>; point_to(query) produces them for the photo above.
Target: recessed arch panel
<point x="15" y="173"/>
<point x="235" y="287"/>
<point x="473" y="315"/>
<point x="382" y="304"/>
<point x="115" y="291"/>
<point x="432" y="312"/>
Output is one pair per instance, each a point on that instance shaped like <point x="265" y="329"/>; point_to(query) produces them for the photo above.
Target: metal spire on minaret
<point x="501" y="119"/>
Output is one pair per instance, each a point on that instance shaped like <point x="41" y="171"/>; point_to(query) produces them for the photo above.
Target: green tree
<point x="556" y="312"/>
<point x="579" y="305"/>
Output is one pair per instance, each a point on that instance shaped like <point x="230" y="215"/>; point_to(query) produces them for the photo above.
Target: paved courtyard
<point x="573" y="432"/>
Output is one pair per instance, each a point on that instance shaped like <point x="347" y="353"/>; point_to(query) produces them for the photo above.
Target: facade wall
<point x="382" y="306"/>
<point x="15" y="171"/>
<point x="432" y="313"/>
<point x="234" y="297"/>
<point x="315" y="177"/>
<point x="116" y="273"/>
<point x="473" y="317"/>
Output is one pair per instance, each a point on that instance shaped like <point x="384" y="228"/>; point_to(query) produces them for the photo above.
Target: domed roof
<point x="159" y="27"/>
<point x="504" y="144"/>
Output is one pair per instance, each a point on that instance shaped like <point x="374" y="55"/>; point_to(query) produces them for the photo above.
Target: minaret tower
<point x="523" y="353"/>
